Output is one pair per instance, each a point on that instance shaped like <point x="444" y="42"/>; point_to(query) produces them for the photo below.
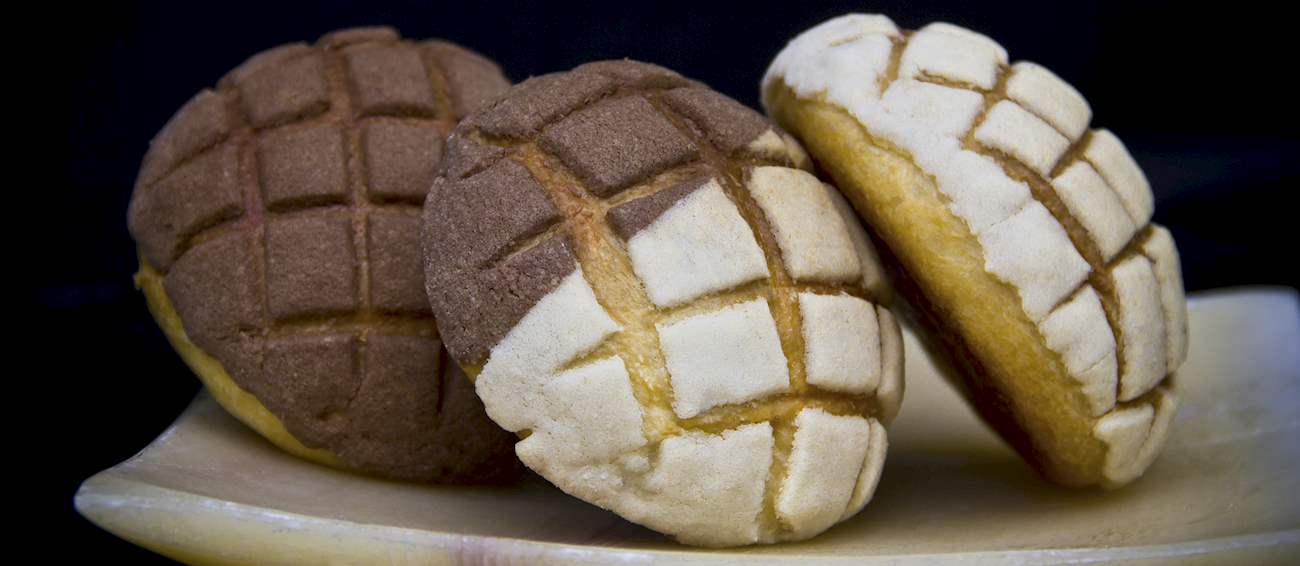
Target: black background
<point x="1201" y="98"/>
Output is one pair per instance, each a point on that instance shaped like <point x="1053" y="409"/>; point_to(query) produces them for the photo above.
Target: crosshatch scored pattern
<point x="1062" y="212"/>
<point x="283" y="209"/>
<point x="712" y="403"/>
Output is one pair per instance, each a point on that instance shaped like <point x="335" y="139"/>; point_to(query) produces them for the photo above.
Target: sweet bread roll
<point x="277" y="218"/>
<point x="682" y="324"/>
<point x="1022" y="238"/>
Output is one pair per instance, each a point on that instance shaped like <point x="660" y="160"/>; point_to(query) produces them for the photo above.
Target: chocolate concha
<point x="277" y="218"/>
<point x="682" y="323"/>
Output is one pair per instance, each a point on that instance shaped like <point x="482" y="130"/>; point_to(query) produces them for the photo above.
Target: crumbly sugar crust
<point x="1060" y="213"/>
<point x="673" y="356"/>
<point x="281" y="210"/>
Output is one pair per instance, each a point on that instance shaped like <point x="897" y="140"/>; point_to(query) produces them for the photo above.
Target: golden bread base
<point x="1020" y="386"/>
<point x="242" y="404"/>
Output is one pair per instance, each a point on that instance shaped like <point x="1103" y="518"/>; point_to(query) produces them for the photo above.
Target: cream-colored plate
<point x="1227" y="487"/>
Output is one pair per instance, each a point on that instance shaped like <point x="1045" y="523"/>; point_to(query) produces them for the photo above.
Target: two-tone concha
<point x="1023" y="238"/>
<point x="683" y="324"/>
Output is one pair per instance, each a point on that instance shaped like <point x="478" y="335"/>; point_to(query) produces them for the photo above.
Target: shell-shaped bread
<point x="1025" y="238"/>
<point x="683" y="324"/>
<point x="277" y="219"/>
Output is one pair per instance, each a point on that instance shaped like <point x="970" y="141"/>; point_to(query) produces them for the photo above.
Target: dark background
<point x="1199" y="97"/>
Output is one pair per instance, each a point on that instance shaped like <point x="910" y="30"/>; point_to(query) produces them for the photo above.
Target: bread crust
<point x="277" y="216"/>
<point x="682" y="325"/>
<point x="999" y="329"/>
<point x="234" y="399"/>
